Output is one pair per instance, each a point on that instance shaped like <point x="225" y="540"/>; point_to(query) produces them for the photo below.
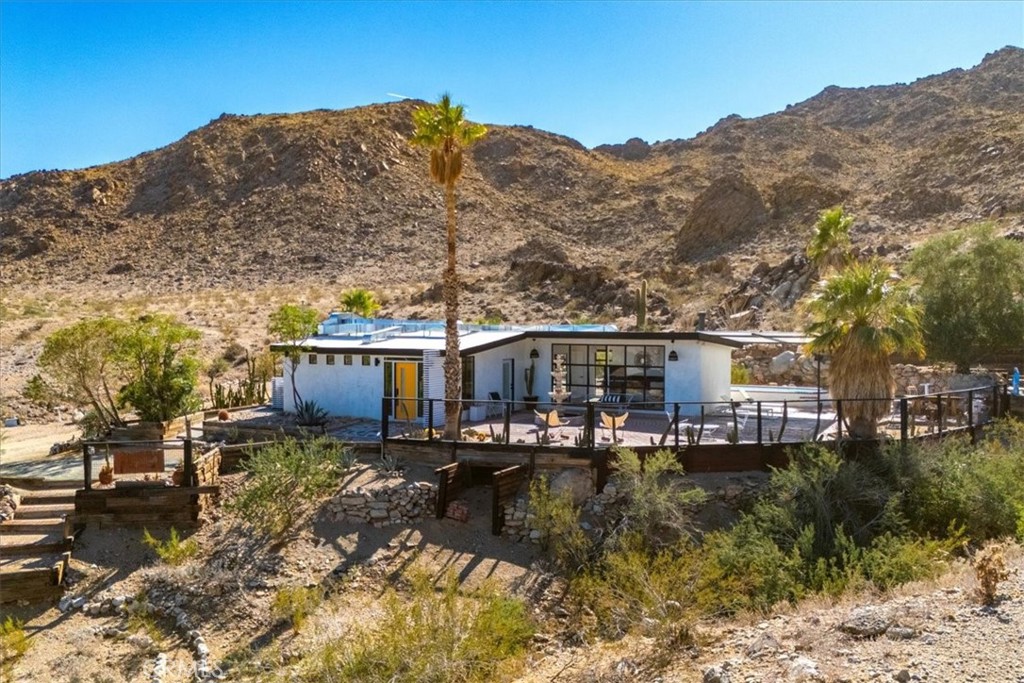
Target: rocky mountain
<point x="549" y="228"/>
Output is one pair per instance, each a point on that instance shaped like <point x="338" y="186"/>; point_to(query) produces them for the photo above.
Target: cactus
<point x="641" y="306"/>
<point x="785" y="419"/>
<point x="528" y="374"/>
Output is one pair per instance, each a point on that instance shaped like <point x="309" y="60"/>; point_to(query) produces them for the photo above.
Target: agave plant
<point x="310" y="414"/>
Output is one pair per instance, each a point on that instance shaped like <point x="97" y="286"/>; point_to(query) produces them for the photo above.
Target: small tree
<point x="84" y="365"/>
<point x="972" y="294"/>
<point x="159" y="354"/>
<point x="294" y="325"/>
<point x="362" y="302"/>
<point x="830" y="244"/>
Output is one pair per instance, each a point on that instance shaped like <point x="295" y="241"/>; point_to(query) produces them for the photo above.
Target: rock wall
<point x="9" y="501"/>
<point x="400" y="504"/>
<point x="779" y="364"/>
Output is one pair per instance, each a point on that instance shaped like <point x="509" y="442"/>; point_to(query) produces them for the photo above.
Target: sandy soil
<point x="33" y="441"/>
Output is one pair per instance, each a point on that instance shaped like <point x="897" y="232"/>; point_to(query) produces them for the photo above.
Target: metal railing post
<point x="87" y="466"/>
<point x="675" y="420"/>
<point x="904" y="413"/>
<point x="385" y="428"/>
<point x="938" y="413"/>
<point x="430" y="419"/>
<point x="839" y="420"/>
<point x="190" y="474"/>
<point x="759" y="423"/>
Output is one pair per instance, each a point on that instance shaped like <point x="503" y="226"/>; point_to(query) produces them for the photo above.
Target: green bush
<point x="976" y="485"/>
<point x="558" y="521"/>
<point x="739" y="374"/>
<point x="174" y="550"/>
<point x="13" y="645"/>
<point x="656" y="505"/>
<point x="630" y="584"/>
<point x="430" y="635"/>
<point x="296" y="603"/>
<point x="283" y="476"/>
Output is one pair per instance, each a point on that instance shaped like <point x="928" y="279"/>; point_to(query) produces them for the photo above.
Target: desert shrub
<point x="296" y="603"/>
<point x="656" y="505"/>
<point x="894" y="559"/>
<point x="990" y="568"/>
<point x="827" y="525"/>
<point x="233" y="352"/>
<point x="13" y="645"/>
<point x="430" y="635"/>
<point x="630" y="585"/>
<point x="976" y="485"/>
<point x="174" y="550"/>
<point x="745" y="570"/>
<point x="739" y="374"/>
<point x="645" y="569"/>
<point x="284" y="475"/>
<point x="821" y="489"/>
<point x="558" y="520"/>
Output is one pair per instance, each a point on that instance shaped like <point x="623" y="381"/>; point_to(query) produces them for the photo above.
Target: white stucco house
<point x="353" y="364"/>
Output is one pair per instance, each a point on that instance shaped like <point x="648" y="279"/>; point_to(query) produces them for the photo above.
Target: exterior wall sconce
<point x="534" y="353"/>
<point x="376" y="361"/>
<point x="672" y="355"/>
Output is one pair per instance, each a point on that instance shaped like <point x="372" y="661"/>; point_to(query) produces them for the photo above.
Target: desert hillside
<point x="248" y="211"/>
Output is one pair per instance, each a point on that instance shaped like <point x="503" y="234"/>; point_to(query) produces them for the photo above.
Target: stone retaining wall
<point x="207" y="468"/>
<point x="778" y="364"/>
<point x="400" y="504"/>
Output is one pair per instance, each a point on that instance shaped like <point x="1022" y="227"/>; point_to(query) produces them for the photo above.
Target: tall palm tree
<point x="443" y="129"/>
<point x="862" y="316"/>
<point x="830" y="244"/>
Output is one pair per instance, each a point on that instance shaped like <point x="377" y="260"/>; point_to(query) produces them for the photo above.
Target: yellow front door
<point x="405" y="391"/>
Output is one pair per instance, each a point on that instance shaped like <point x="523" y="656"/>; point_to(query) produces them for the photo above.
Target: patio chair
<point x="494" y="408"/>
<point x="614" y="423"/>
<point x="550" y="421"/>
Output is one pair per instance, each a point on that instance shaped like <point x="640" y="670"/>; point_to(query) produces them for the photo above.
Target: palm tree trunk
<point x="452" y="361"/>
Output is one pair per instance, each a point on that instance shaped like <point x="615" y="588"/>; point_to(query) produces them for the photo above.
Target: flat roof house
<point x="352" y="364"/>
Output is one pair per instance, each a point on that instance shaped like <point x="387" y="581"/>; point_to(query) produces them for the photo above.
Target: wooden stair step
<point x="43" y="511"/>
<point x="42" y="584"/>
<point x="53" y="497"/>
<point x="37" y="525"/>
<point x="20" y="543"/>
<point x="28" y="566"/>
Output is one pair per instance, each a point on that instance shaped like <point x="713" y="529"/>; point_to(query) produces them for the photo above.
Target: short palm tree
<point x="362" y="302"/>
<point x="830" y="244"/>
<point x="861" y="317"/>
<point x="443" y="129"/>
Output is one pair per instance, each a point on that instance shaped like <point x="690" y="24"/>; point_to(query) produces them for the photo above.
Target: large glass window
<point x="637" y="370"/>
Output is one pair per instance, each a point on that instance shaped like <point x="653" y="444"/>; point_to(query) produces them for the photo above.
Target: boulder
<point x="783" y="363"/>
<point x="730" y="209"/>
<point x="867" y="622"/>
<point x="576" y="481"/>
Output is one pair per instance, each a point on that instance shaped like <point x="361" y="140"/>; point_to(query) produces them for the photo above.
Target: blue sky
<point x="85" y="83"/>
